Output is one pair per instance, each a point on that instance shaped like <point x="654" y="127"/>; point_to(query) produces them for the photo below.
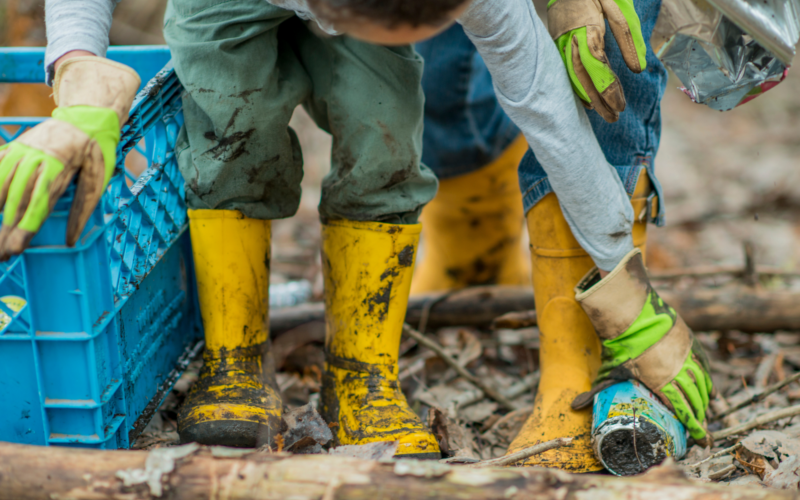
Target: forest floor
<point x="728" y="179"/>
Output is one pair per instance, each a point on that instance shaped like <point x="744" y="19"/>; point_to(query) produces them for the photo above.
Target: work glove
<point x="578" y="28"/>
<point x="94" y="96"/>
<point x="643" y="338"/>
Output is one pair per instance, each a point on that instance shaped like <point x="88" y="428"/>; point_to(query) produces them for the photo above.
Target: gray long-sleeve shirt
<point x="531" y="84"/>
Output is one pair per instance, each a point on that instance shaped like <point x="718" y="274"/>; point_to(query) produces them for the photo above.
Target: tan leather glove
<point x="94" y="96"/>
<point x="643" y="338"/>
<point x="579" y="29"/>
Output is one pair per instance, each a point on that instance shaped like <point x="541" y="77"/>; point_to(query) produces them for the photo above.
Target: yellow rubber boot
<point x="234" y="402"/>
<point x="472" y="229"/>
<point x="569" y="350"/>
<point x="367" y="268"/>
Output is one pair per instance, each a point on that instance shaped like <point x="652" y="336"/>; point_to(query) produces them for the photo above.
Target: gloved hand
<point x="94" y="96"/>
<point x="643" y="338"/>
<point x="578" y="28"/>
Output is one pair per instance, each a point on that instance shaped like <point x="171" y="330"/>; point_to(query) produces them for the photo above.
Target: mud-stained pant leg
<point x="242" y="80"/>
<point x="370" y="99"/>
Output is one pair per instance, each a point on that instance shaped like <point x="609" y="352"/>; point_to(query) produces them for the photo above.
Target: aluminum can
<point x="633" y="431"/>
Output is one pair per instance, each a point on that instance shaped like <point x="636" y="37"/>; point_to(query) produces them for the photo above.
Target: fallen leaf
<point x="471" y="348"/>
<point x="771" y="444"/>
<point x="381" y="450"/>
<point x="478" y="412"/>
<point x="455" y="440"/>
<point x="786" y="476"/>
<point x="306" y="431"/>
<point x="507" y="428"/>
<point x="748" y="480"/>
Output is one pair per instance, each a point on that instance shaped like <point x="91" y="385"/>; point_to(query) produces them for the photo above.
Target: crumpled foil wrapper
<point x="727" y="52"/>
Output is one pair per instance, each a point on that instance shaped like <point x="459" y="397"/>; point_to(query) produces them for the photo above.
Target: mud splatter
<point x="230" y="147"/>
<point x="406" y="256"/>
<point x="245" y="94"/>
<point x="379" y="302"/>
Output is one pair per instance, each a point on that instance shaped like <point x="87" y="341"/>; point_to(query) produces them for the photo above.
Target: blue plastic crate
<point x="93" y="337"/>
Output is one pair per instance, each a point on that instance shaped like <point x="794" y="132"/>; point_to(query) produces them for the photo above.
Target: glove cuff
<point x="614" y="302"/>
<point x="96" y="81"/>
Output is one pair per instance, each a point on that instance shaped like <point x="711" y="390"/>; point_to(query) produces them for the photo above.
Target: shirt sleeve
<point x="533" y="88"/>
<point x="76" y="25"/>
<point x="303" y="11"/>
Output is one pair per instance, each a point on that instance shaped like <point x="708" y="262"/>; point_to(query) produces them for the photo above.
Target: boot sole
<point x="233" y="433"/>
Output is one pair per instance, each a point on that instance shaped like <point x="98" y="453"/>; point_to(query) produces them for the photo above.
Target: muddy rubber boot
<point x="367" y="268"/>
<point x="569" y="350"/>
<point x="472" y="229"/>
<point x="235" y="401"/>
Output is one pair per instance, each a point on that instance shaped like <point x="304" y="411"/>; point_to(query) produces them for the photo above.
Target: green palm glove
<point x="578" y="28"/>
<point x="643" y="338"/>
<point x="80" y="140"/>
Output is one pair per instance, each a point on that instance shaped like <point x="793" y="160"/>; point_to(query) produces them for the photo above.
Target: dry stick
<point x="756" y="422"/>
<point x="750" y="274"/>
<point x="720" y="474"/>
<point x="764" y="370"/>
<point x="758" y="397"/>
<point x="523" y="453"/>
<point x="718" y="454"/>
<point x="439" y="350"/>
<point x="517" y="389"/>
<point x="426" y="309"/>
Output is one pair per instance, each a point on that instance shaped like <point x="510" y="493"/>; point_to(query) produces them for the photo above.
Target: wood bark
<point x="704" y="309"/>
<point x="34" y="473"/>
<point x="741" y="308"/>
<point x="476" y="306"/>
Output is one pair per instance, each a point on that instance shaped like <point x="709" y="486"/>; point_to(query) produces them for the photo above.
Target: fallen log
<point x="476" y="306"/>
<point x="194" y="473"/>
<point x="705" y="309"/>
<point x="746" y="309"/>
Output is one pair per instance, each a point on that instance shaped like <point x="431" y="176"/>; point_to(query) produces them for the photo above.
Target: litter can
<point x="633" y="431"/>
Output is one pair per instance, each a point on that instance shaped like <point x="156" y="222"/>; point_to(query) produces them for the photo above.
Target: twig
<point x="756" y="422"/>
<point x="439" y="350"/>
<point x="764" y="370"/>
<point x="515" y="320"/>
<point x="517" y="389"/>
<point x="523" y="453"/>
<point x="718" y="454"/>
<point x="759" y="397"/>
<point x="716" y="476"/>
<point x="635" y="451"/>
<point x="751" y="468"/>
<point x="780" y="373"/>
<point x="513" y="392"/>
<point x="750" y="274"/>
<point x="426" y="309"/>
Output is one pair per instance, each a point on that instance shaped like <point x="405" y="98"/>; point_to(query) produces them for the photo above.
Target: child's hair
<point x="389" y="13"/>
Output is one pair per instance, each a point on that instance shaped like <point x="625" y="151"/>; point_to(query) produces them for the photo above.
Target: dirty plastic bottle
<point x="633" y="431"/>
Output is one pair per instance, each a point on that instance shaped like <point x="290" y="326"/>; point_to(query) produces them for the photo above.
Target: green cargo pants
<point x="245" y="65"/>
